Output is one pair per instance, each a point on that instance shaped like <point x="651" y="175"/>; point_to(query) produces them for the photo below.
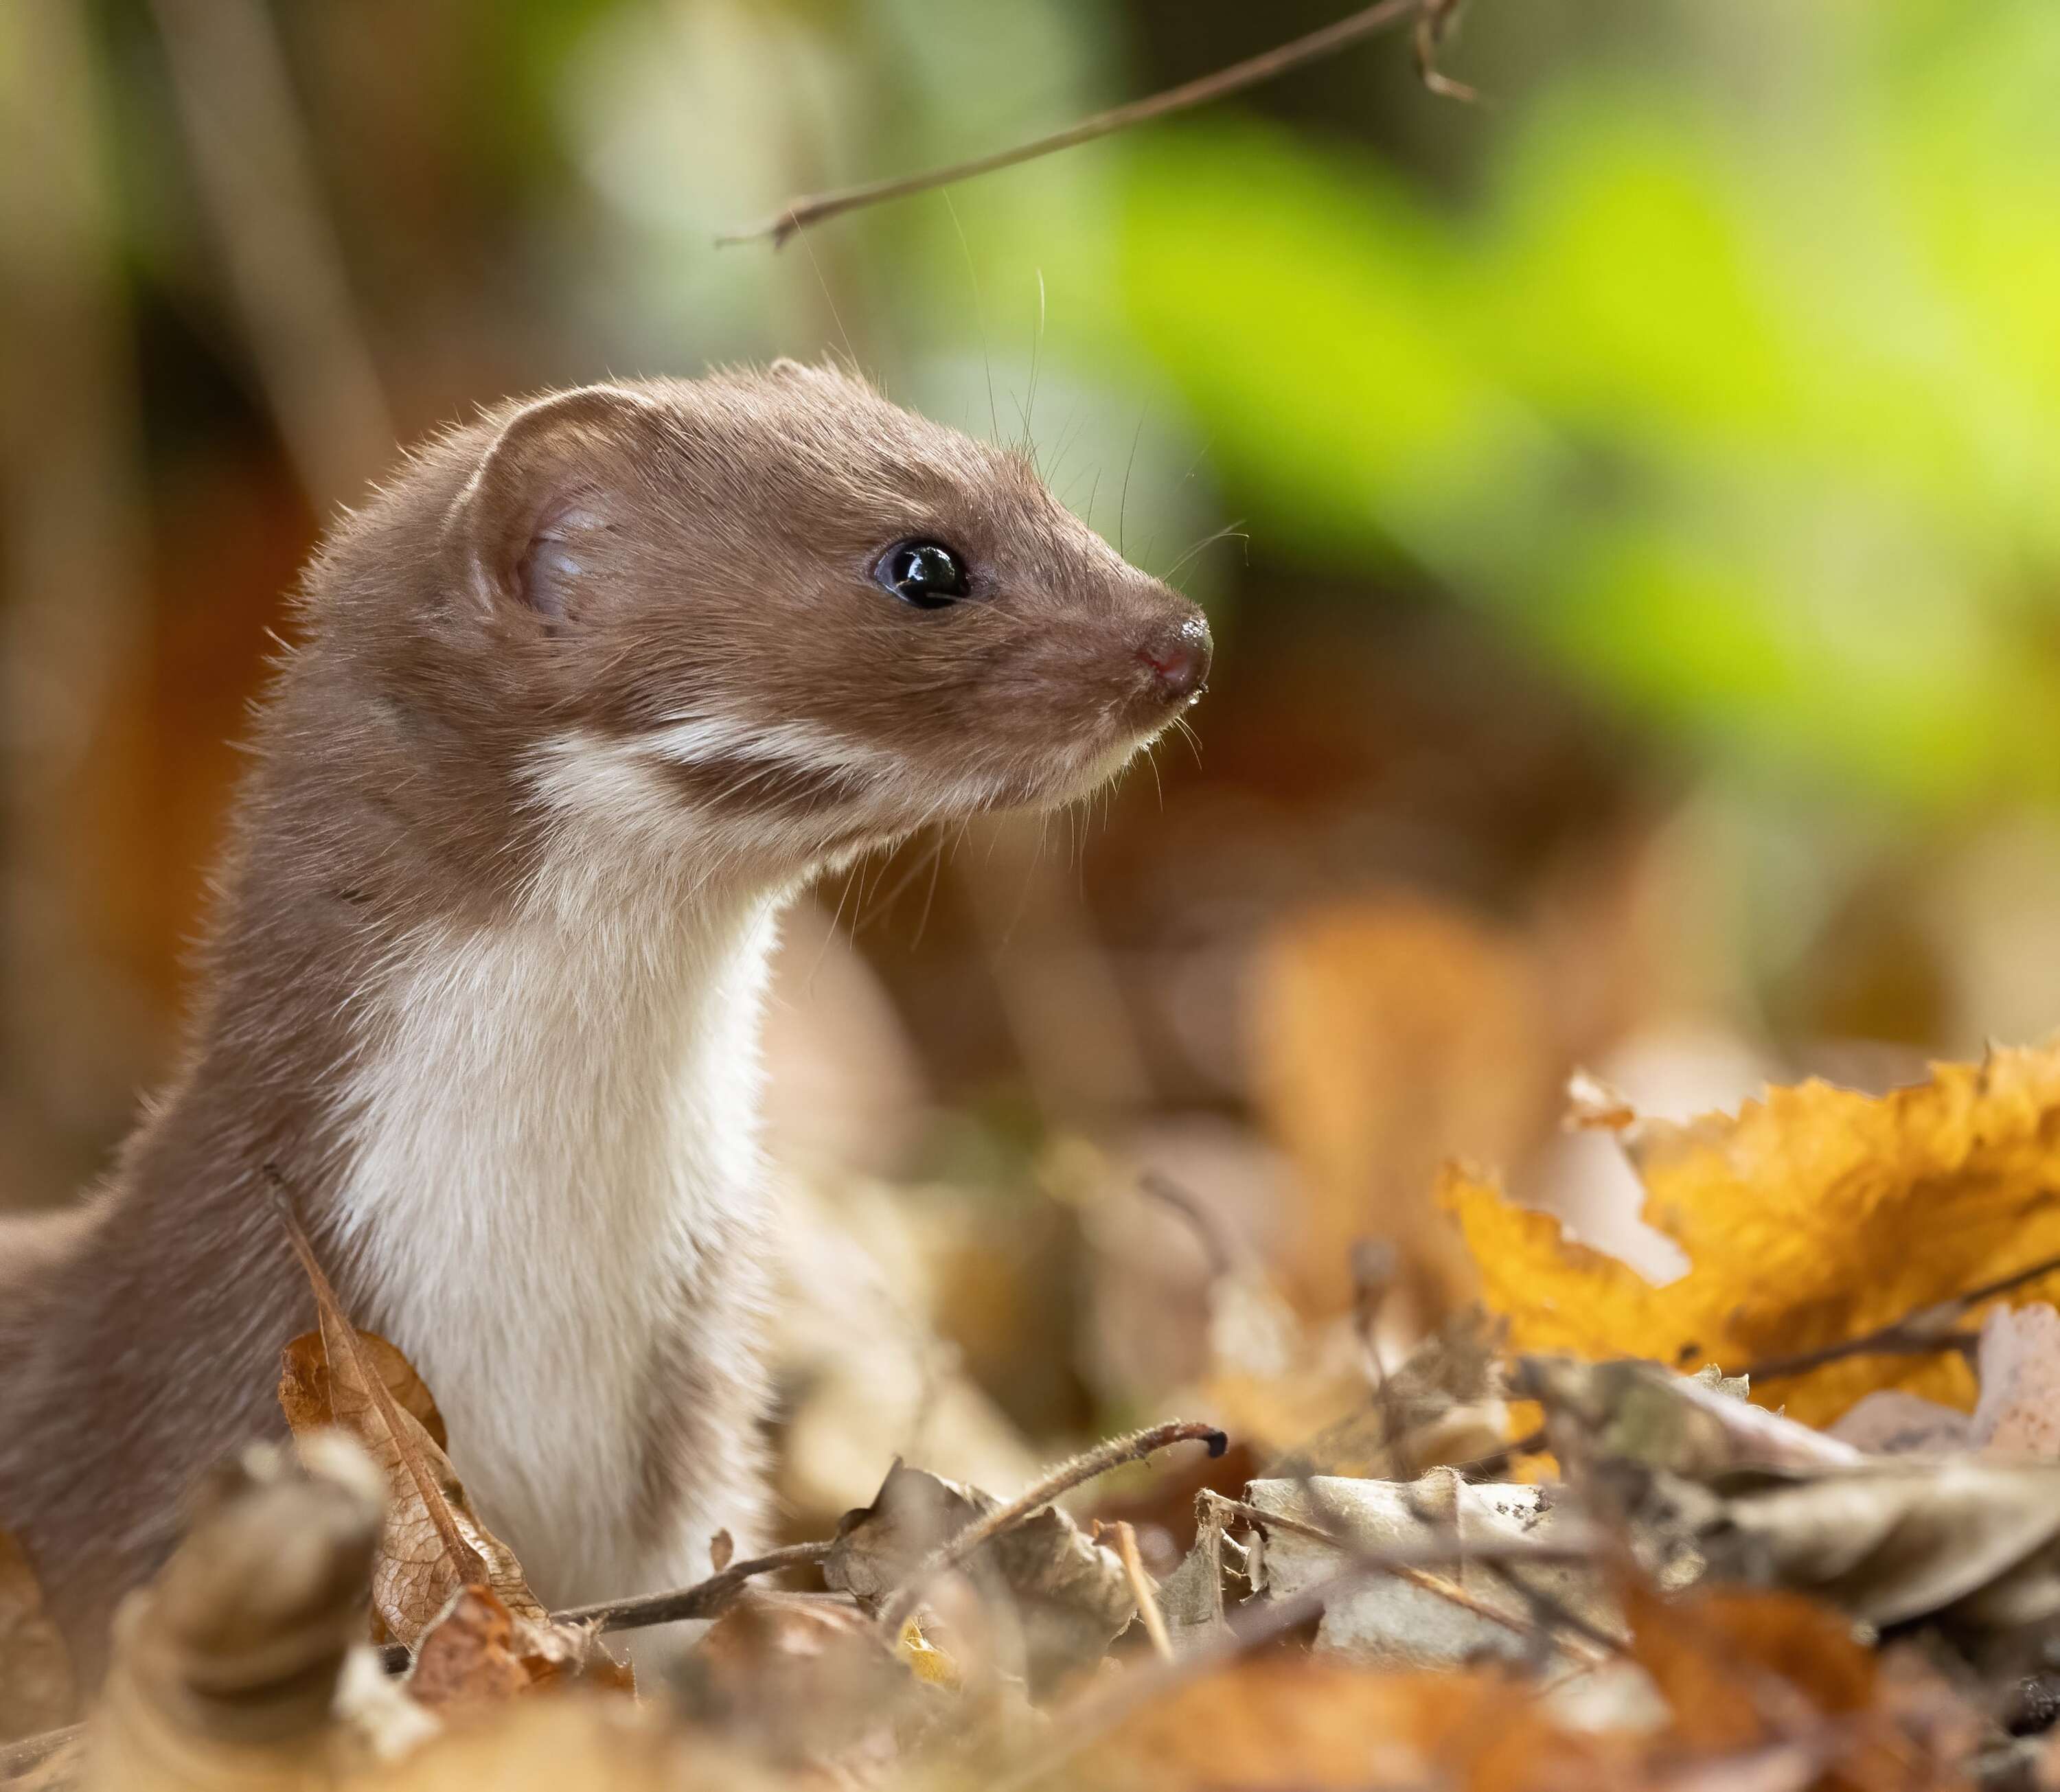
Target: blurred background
<point x="1625" y="508"/>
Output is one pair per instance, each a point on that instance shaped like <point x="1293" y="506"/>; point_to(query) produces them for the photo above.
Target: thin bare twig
<point x="705" y="1598"/>
<point x="1327" y="40"/>
<point x="1148" y="1614"/>
<point x="465" y="1560"/>
<point x="1219" y="1244"/>
<point x="1133" y="1447"/>
<point x="1919" y="1332"/>
<point x="702" y="1599"/>
<point x="1434" y="25"/>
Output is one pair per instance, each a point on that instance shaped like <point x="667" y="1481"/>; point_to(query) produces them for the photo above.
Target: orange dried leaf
<point x="1813" y="1216"/>
<point x="467" y="1657"/>
<point x="1389" y="1036"/>
<point x="1287" y="1721"/>
<point x="433" y="1542"/>
<point x="306" y="1394"/>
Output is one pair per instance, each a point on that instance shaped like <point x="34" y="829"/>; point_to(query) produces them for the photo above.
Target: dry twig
<point x="1148" y="1614"/>
<point x="1919" y="1332"/>
<point x="1327" y="40"/>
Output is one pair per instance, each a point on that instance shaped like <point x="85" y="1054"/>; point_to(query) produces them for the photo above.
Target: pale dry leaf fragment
<point x="1815" y="1215"/>
<point x="1191" y="1598"/>
<point x="721" y="1547"/>
<point x="1975" y="1544"/>
<point x="38" y="1689"/>
<point x="1069" y="1593"/>
<point x="1891" y="1422"/>
<point x="1639" y="1413"/>
<point x="2017" y="1416"/>
<point x="1389" y="1621"/>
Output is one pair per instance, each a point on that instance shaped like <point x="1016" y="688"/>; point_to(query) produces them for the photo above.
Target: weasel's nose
<point x="1178" y="658"/>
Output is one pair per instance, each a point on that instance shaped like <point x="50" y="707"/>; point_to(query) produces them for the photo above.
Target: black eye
<point x="927" y="574"/>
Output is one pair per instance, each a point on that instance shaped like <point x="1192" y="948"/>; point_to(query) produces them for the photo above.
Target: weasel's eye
<point x="927" y="574"/>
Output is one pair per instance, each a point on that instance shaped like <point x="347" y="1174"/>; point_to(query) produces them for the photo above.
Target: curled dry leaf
<point x="38" y="1690"/>
<point x="1070" y="1595"/>
<point x="1975" y="1543"/>
<point x="468" y="1656"/>
<point x="1465" y="1613"/>
<point x="1815" y="1215"/>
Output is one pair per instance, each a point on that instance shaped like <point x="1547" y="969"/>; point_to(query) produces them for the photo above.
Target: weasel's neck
<point x="548" y="1143"/>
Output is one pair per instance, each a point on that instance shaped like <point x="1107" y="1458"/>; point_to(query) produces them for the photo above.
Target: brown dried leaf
<point x="304" y="1385"/>
<point x="1739" y="1670"/>
<point x="1281" y="1721"/>
<point x="1469" y="1613"/>
<point x="416" y="1572"/>
<point x="467" y="1656"/>
<point x="38" y="1689"/>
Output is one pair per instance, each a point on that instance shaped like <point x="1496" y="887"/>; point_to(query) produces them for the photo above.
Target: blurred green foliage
<point x="1730" y="381"/>
<point x="1747" y="416"/>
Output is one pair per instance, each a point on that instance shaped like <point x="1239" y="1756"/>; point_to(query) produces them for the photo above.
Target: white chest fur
<point x="549" y="1121"/>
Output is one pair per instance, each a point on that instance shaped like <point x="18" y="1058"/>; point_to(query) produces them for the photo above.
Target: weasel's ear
<point x="540" y="492"/>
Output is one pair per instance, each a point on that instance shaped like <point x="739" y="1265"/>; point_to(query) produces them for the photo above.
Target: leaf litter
<point x="1860" y="1592"/>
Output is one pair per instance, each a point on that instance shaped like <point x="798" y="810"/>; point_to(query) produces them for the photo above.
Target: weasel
<point x="584" y="695"/>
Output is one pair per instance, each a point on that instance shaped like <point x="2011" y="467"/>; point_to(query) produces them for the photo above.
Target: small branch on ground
<point x="1325" y="42"/>
<point x="1114" y="1454"/>
<point x="1923" y="1331"/>
<point x="702" y="1599"/>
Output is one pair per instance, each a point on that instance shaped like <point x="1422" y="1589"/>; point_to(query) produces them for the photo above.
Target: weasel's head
<point x="800" y="613"/>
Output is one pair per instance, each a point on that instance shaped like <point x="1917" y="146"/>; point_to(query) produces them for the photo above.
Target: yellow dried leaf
<point x="1813" y="1216"/>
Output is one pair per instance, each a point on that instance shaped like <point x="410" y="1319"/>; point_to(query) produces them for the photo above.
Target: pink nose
<point x="1178" y="658"/>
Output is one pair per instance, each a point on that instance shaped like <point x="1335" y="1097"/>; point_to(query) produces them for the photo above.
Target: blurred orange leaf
<point x="1815" y="1215"/>
<point x="1388" y="1035"/>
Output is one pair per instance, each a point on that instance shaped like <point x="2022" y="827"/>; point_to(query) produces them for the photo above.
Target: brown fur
<point x="721" y="535"/>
